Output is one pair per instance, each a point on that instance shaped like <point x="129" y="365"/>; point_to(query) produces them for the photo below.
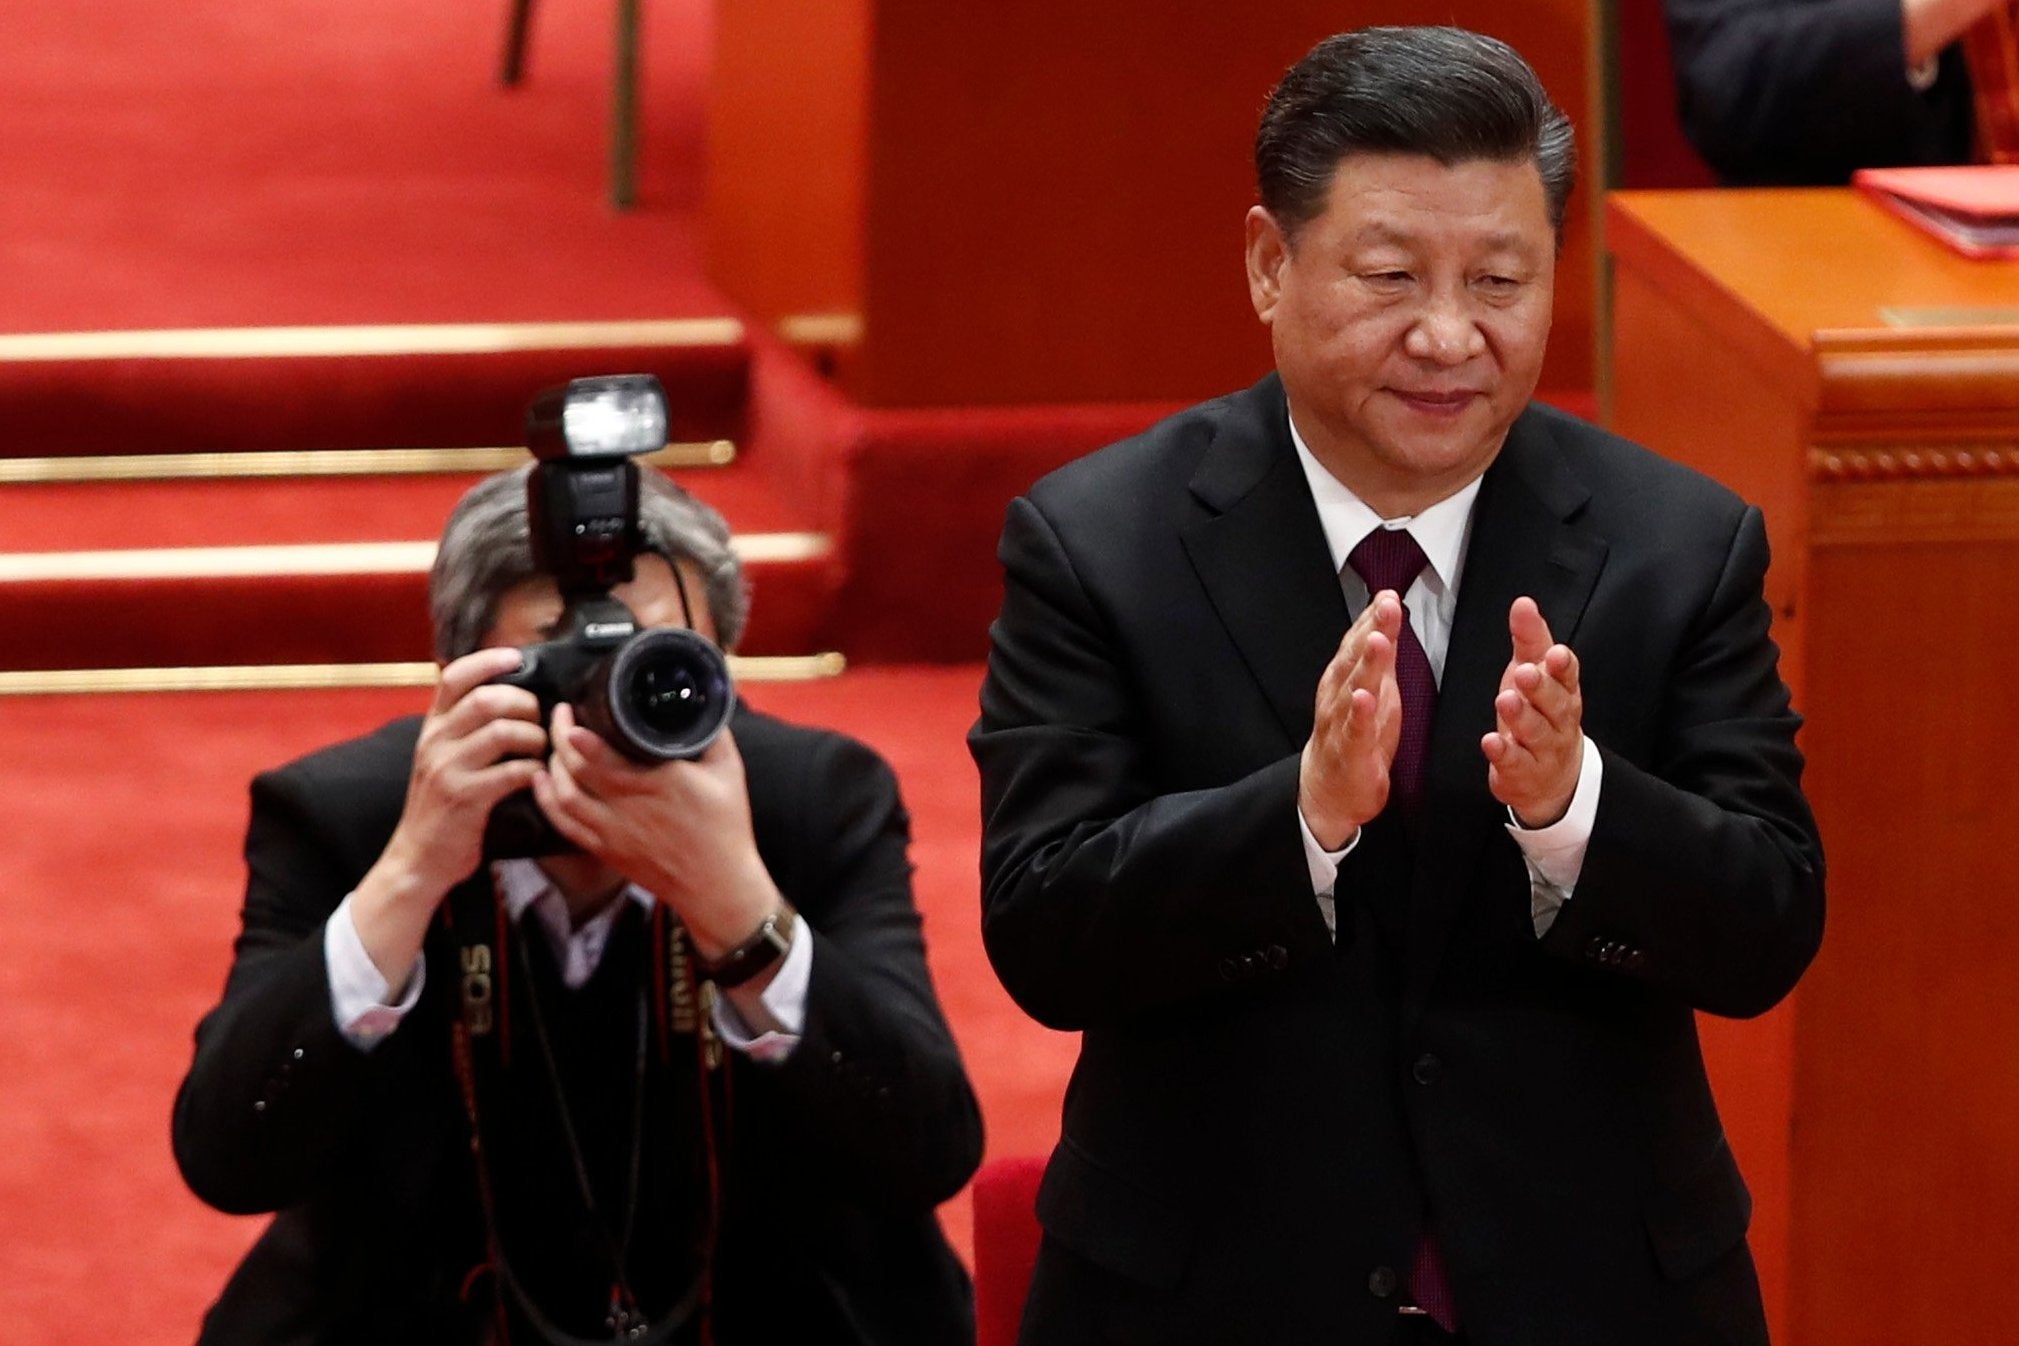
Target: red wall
<point x="1054" y="191"/>
<point x="1654" y="152"/>
<point x="787" y="151"/>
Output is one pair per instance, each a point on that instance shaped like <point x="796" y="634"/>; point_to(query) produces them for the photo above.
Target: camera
<point x="655" y="695"/>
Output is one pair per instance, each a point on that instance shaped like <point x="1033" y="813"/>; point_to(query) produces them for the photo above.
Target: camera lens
<point x="670" y="698"/>
<point x="667" y="695"/>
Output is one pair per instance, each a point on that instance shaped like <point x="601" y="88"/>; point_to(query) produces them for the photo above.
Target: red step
<point x="142" y="574"/>
<point x="394" y="386"/>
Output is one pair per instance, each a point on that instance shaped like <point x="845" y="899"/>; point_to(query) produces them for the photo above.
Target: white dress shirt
<point x="359" y="995"/>
<point x="1554" y="854"/>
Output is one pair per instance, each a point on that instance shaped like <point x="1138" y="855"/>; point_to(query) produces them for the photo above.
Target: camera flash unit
<point x="616" y="416"/>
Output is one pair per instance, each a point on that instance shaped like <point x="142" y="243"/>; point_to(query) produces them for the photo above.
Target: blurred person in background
<point x="1802" y="93"/>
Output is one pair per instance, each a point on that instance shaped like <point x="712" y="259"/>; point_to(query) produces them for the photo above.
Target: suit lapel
<point x="1525" y="539"/>
<point x="1260" y="554"/>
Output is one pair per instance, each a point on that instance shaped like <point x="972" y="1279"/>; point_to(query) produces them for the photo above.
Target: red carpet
<point x="405" y="393"/>
<point x="122" y="882"/>
<point x="188" y="163"/>
<point x="191" y="163"/>
<point x="282" y="617"/>
<point x="100" y="516"/>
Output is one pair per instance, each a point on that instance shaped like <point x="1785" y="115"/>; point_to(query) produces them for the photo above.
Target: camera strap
<point x="674" y="1014"/>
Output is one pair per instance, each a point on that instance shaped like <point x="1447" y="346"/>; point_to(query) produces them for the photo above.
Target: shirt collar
<point x="523" y="882"/>
<point x="1440" y="530"/>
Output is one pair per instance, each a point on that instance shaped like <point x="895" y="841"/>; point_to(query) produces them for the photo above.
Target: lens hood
<point x="664" y="695"/>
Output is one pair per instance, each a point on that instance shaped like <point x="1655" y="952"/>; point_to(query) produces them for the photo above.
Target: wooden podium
<point x="1861" y="384"/>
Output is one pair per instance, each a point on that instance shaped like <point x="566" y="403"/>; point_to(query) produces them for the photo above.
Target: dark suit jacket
<point x="1799" y="93"/>
<point x="1259" y="1120"/>
<point x="838" y="1155"/>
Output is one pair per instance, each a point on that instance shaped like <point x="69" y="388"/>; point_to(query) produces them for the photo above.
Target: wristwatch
<point x="753" y="955"/>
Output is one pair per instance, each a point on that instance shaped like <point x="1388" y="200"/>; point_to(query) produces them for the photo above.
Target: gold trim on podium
<point x="1906" y="461"/>
<point x="317" y="463"/>
<point x="306" y="677"/>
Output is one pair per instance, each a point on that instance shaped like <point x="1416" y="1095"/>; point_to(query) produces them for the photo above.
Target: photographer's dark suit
<point x="837" y="1157"/>
<point x="1259" y="1119"/>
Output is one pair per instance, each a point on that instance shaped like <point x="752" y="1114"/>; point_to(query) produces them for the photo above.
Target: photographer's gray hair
<point x="487" y="548"/>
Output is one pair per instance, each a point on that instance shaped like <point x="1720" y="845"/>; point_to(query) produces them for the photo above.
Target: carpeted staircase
<point x="258" y="496"/>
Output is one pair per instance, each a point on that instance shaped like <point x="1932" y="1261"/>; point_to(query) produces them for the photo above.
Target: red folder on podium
<point x="1973" y="208"/>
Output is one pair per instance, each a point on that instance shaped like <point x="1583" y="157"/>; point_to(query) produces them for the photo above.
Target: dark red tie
<point x="1388" y="558"/>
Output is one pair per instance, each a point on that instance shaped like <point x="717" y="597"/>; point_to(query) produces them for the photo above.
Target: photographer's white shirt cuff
<point x="784" y="1000"/>
<point x="358" y="994"/>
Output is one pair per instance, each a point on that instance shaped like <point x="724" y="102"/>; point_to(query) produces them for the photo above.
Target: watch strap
<point x="769" y="944"/>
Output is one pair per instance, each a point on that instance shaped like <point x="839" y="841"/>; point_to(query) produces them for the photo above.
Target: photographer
<point x="687" y="1083"/>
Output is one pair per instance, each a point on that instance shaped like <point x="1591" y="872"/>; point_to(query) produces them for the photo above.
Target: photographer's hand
<point x="681" y="829"/>
<point x="478" y="744"/>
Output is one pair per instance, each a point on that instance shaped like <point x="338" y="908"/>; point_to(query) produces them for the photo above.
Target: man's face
<point x="528" y="612"/>
<point x="1409" y="319"/>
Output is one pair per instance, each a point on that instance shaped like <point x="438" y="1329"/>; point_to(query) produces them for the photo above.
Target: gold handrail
<point x="224" y="466"/>
<point x="304" y="677"/>
<point x="471" y="338"/>
<point x="283" y="560"/>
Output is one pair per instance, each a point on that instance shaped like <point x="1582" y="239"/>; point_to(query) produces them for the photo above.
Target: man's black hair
<point x="1453" y="95"/>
